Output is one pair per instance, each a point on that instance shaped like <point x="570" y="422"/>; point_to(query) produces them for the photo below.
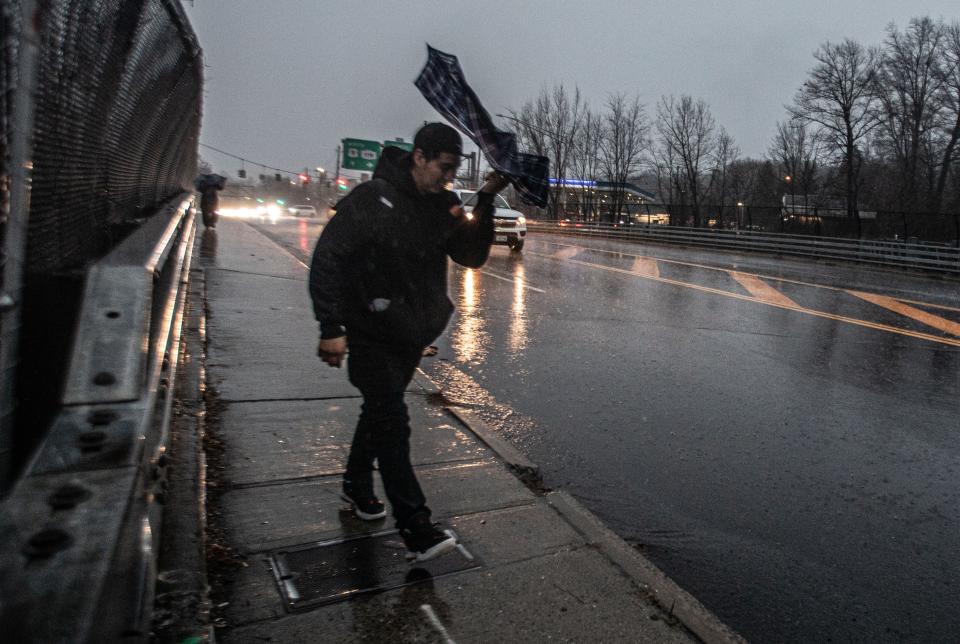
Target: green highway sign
<point x="403" y="145"/>
<point x="359" y="154"/>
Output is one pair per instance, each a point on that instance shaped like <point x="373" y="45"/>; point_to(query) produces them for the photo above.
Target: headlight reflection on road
<point x="302" y="236"/>
<point x="518" y="321"/>
<point x="470" y="339"/>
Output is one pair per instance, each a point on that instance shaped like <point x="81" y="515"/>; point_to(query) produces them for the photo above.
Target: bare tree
<point x="563" y="120"/>
<point x="529" y="124"/>
<point x="839" y="97"/>
<point x="743" y="181"/>
<point x="547" y="126"/>
<point x="625" y="140"/>
<point x="908" y="81"/>
<point x="797" y="151"/>
<point x="669" y="186"/>
<point x="688" y="135"/>
<point x="726" y="152"/>
<point x="585" y="156"/>
<point x="949" y="99"/>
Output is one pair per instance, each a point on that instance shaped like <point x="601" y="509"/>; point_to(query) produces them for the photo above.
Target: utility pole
<point x="338" y="165"/>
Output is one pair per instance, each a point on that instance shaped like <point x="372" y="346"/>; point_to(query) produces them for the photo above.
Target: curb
<point x="673" y="599"/>
<point x="522" y="467"/>
<point x="423" y="381"/>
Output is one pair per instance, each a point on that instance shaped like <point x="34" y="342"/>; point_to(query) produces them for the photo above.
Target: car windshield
<point x="470" y="200"/>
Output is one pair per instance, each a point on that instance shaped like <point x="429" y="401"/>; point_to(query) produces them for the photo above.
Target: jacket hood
<point x="394" y="167"/>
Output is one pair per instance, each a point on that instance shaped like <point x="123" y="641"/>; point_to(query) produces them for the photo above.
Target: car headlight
<point x="521" y="221"/>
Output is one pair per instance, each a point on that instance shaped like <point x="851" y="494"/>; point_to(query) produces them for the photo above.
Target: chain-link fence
<point x="116" y="116"/>
<point x="116" y="122"/>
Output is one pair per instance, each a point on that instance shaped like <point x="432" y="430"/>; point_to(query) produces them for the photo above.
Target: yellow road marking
<point x="896" y="306"/>
<point x="942" y="307"/>
<point x="567" y="253"/>
<point x="748" y="298"/>
<point x="646" y="266"/>
<point x="761" y="290"/>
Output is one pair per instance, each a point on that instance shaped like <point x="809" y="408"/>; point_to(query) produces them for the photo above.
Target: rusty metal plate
<point x="317" y="574"/>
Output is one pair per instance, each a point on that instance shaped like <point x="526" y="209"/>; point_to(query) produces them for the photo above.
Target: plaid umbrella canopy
<point x="443" y="85"/>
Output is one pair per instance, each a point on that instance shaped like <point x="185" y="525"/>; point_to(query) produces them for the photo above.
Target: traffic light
<point x="304" y="178"/>
<point x="342" y="184"/>
<point x="277" y="177"/>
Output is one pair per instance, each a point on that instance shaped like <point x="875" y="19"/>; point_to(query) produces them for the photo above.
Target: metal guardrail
<point x="79" y="529"/>
<point x="935" y="257"/>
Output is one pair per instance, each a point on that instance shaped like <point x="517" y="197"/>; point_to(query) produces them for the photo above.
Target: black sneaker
<point x="366" y="507"/>
<point x="424" y="541"/>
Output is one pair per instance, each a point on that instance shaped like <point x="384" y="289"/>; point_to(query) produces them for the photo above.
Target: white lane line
<point x="512" y="280"/>
<point x="436" y="623"/>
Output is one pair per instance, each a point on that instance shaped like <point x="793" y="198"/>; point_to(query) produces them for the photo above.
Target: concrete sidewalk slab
<point x="266" y="517"/>
<point x="279" y="440"/>
<point x="496" y="537"/>
<point x="236" y="246"/>
<point x="567" y="596"/>
<point x="263" y="341"/>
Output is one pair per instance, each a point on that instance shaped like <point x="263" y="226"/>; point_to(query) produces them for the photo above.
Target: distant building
<point x="590" y="200"/>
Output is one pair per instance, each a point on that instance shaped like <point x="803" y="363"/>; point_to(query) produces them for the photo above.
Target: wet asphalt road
<point x="793" y="464"/>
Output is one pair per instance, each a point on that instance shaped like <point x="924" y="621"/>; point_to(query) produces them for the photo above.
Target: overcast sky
<point x="287" y="79"/>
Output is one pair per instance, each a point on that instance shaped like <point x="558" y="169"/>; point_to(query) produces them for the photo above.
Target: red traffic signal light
<point x="304" y="178"/>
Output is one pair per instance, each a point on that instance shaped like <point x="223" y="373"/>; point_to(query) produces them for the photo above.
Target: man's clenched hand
<point x="494" y="183"/>
<point x="332" y="350"/>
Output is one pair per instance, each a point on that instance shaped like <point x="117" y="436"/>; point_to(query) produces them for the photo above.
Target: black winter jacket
<point x="379" y="269"/>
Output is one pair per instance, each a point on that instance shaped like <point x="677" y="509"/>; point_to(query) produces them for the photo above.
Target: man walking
<point x="378" y="281"/>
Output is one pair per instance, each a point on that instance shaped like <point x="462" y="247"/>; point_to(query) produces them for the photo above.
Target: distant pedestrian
<point x="378" y="281"/>
<point x="209" y="206"/>
<point x="209" y="185"/>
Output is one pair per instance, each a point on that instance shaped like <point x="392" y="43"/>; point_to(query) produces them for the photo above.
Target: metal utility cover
<point x="322" y="573"/>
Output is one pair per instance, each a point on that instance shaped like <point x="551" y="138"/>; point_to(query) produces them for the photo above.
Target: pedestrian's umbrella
<point x="443" y="85"/>
<point x="204" y="182"/>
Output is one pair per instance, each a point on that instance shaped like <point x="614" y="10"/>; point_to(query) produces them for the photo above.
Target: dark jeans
<point x="382" y="373"/>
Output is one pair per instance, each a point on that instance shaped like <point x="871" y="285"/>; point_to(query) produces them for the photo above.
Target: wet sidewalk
<point x="292" y="564"/>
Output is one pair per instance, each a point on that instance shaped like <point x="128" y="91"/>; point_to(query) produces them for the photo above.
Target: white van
<point x="509" y="225"/>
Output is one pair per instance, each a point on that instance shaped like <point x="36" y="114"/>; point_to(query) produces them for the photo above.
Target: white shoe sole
<point x="360" y="514"/>
<point x="447" y="545"/>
